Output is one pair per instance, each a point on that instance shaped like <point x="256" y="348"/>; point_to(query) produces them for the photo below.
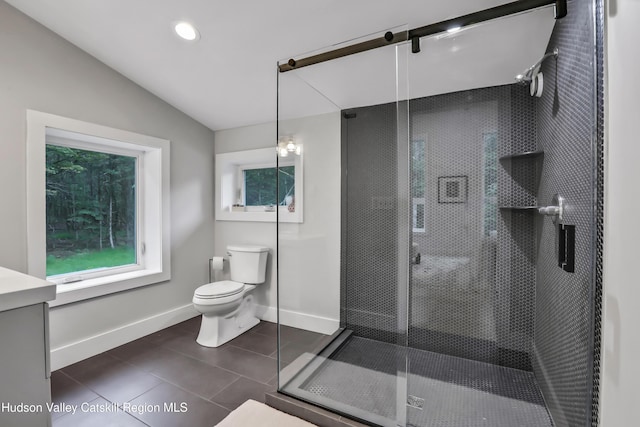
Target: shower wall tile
<point x="482" y="309"/>
<point x="564" y="304"/>
<point x="597" y="294"/>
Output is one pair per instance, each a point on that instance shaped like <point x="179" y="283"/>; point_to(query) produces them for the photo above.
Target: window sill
<point x="100" y="286"/>
<point x="284" y="216"/>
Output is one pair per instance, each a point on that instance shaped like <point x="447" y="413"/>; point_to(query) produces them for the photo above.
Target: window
<point x="418" y="170"/>
<point x="260" y="186"/>
<point x="247" y="184"/>
<point x="91" y="199"/>
<point x="97" y="207"/>
<point x="490" y="178"/>
<point x="418" y="215"/>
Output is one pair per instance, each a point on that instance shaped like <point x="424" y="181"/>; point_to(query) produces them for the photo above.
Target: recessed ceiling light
<point x="186" y="31"/>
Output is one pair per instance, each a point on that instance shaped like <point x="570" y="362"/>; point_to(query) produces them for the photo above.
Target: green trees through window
<point x="490" y="199"/>
<point x="418" y="170"/>
<point x="260" y="186"/>
<point x="90" y="209"/>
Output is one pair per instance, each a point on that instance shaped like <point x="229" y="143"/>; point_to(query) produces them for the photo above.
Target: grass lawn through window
<point x="90" y="259"/>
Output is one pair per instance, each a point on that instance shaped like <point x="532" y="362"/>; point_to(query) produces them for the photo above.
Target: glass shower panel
<point x="423" y="287"/>
<point x="472" y="289"/>
<point x="343" y="272"/>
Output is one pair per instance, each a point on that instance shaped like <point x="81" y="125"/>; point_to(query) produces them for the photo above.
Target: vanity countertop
<point x="20" y="290"/>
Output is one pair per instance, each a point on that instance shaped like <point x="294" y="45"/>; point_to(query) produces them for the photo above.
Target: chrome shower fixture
<point x="529" y="74"/>
<point x="533" y="76"/>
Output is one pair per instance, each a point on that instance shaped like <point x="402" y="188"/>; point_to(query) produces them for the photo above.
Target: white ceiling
<point x="228" y="78"/>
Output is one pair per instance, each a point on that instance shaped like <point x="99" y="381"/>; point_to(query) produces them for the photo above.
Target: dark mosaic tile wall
<point x="529" y="293"/>
<point x="481" y="310"/>
<point x="369" y="218"/>
<point x="486" y="314"/>
<point x="564" y="307"/>
<point x="597" y="312"/>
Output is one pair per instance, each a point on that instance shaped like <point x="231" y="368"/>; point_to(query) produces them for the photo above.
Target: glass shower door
<point x="347" y="264"/>
<point x="472" y="289"/>
<point x="418" y="285"/>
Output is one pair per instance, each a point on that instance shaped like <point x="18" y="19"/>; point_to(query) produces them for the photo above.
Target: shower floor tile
<point x="452" y="392"/>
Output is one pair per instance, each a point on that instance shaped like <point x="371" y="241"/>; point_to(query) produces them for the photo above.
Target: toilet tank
<point x="248" y="264"/>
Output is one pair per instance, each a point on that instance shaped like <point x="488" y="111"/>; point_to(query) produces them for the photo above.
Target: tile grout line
<point x="187" y="391"/>
<point x="162" y="380"/>
<point x="226" y="387"/>
<point x="201" y="361"/>
<point x="184" y="328"/>
<point x="114" y="359"/>
<point x="220" y="367"/>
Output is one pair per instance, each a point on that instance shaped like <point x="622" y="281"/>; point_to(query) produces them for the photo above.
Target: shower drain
<point x="320" y="390"/>
<point x="415" y="402"/>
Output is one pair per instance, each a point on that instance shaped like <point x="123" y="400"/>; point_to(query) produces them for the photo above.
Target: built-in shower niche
<point x="524" y="171"/>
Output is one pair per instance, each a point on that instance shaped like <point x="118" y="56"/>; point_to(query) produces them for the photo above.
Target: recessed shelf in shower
<point x="519" y="208"/>
<point x="523" y="155"/>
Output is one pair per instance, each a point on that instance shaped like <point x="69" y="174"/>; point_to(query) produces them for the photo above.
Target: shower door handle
<point x="567" y="247"/>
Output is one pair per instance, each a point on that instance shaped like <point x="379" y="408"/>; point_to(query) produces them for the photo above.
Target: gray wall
<point x="566" y="121"/>
<point x="41" y="71"/>
<point x="309" y="252"/>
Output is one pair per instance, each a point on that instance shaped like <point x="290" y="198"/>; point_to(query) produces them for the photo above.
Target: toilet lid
<point x="221" y="289"/>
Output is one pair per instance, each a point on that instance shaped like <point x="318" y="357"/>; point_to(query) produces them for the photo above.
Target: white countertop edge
<point x="21" y="290"/>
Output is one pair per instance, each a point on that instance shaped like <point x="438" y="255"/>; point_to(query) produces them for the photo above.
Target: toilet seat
<point x="222" y="289"/>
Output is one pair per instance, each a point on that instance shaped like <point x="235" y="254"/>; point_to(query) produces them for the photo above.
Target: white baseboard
<point x="88" y="347"/>
<point x="310" y="322"/>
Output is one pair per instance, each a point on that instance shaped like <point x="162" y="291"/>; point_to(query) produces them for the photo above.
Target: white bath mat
<point x="252" y="413"/>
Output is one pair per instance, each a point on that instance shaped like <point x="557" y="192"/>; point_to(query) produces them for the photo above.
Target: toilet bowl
<point x="225" y="315"/>
<point x="227" y="306"/>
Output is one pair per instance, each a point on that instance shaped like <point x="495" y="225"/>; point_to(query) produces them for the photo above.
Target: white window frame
<point x="152" y="210"/>
<point x="62" y="138"/>
<point x="230" y="186"/>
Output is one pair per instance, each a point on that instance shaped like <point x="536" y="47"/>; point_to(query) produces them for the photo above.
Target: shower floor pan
<point x="359" y="378"/>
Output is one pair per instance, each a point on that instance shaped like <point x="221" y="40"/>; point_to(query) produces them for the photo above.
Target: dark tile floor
<point x="167" y="379"/>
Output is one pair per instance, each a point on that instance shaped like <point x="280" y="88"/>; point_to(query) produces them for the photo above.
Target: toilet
<point x="227" y="306"/>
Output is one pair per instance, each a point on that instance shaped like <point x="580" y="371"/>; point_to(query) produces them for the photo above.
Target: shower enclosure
<point x="445" y="271"/>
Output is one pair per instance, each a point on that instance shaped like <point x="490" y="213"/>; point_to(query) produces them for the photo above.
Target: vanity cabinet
<point x="25" y="370"/>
